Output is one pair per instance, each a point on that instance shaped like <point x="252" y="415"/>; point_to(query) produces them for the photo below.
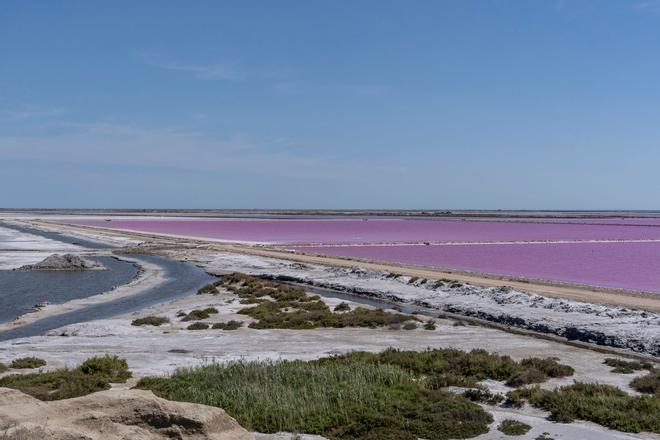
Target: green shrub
<point x="93" y="375"/>
<point x="229" y="325"/>
<point x="209" y="289"/>
<point x="27" y="362"/>
<point x="198" y="326"/>
<point x="649" y="384"/>
<point x="409" y="326"/>
<point x="150" y="320"/>
<point x="429" y="325"/>
<point x="627" y="367"/>
<point x="548" y="366"/>
<point x="113" y="368"/>
<point x="478" y="395"/>
<point x="413" y="280"/>
<point x="198" y="315"/>
<point x="513" y="427"/>
<point x="342" y="307"/>
<point x="340" y="399"/>
<point x="603" y="404"/>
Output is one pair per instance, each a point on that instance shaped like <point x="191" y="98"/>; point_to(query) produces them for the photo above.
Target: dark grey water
<point x="20" y="291"/>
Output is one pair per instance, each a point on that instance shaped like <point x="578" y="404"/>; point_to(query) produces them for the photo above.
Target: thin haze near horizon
<point x="329" y="104"/>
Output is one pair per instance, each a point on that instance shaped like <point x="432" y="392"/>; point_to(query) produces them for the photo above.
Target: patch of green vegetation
<point x="627" y="367"/>
<point x="113" y="368"/>
<point x="93" y="375"/>
<point x="229" y="325"/>
<point x="409" y="326"/>
<point x="603" y="404"/>
<point x="649" y="384"/>
<point x="282" y="306"/>
<point x="448" y="366"/>
<point x="339" y="399"/>
<point x="198" y="315"/>
<point x="513" y="427"/>
<point x="3" y="367"/>
<point x="150" y="320"/>
<point x="413" y="280"/>
<point x="211" y="289"/>
<point x="198" y="326"/>
<point x="483" y="396"/>
<point x="429" y="325"/>
<point x="342" y="307"/>
<point x="27" y="362"/>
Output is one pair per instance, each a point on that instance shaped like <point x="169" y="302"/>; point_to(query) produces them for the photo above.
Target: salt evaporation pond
<point x="631" y="266"/>
<point x="374" y="230"/>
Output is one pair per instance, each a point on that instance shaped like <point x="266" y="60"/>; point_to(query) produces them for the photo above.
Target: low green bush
<point x="603" y="404"/>
<point x="429" y="325"/>
<point x="409" y="326"/>
<point x="649" y="384"/>
<point x="209" y="289"/>
<point x="229" y="325"/>
<point x="198" y="326"/>
<point x="27" y="362"/>
<point x="627" y="367"/>
<point x="483" y="396"/>
<point x="93" y="375"/>
<point x="150" y="320"/>
<point x="113" y="368"/>
<point x="342" y="307"/>
<point x="198" y="315"/>
<point x="513" y="427"/>
<point x="339" y="400"/>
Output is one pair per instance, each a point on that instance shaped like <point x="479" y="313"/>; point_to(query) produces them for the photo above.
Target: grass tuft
<point x="338" y="399"/>
<point x="229" y="325"/>
<point x="603" y="404"/>
<point x="150" y="320"/>
<point x="627" y="367"/>
<point x="93" y="375"/>
<point x="27" y="362"/>
<point x="513" y="427"/>
<point x="649" y="384"/>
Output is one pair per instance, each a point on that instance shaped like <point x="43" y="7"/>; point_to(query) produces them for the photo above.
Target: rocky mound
<point x="63" y="262"/>
<point x="121" y="415"/>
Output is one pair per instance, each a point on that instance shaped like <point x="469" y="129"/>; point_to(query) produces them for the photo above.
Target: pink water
<point x="375" y="230"/>
<point x="633" y="266"/>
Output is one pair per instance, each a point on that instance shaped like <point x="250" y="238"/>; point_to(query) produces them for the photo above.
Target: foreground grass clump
<point x="339" y="399"/>
<point x="603" y="404"/>
<point x="627" y="367"/>
<point x="649" y="384"/>
<point x="150" y="320"/>
<point x="93" y="375"/>
<point x="513" y="427"/>
<point x="451" y="367"/>
<point x="229" y="325"/>
<point x="27" y="362"/>
<point x="277" y="305"/>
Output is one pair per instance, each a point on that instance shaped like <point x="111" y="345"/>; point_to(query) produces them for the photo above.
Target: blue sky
<point x="330" y="104"/>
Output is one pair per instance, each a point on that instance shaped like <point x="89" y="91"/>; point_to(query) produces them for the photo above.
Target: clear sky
<point x="330" y="104"/>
